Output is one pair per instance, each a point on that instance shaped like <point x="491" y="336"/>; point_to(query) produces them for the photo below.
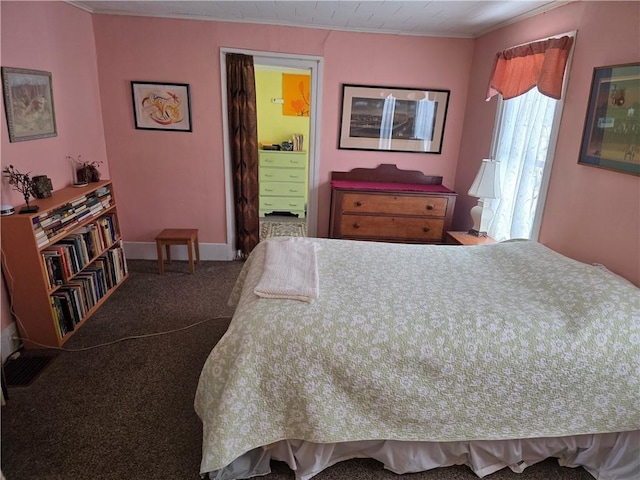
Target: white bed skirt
<point x="607" y="456"/>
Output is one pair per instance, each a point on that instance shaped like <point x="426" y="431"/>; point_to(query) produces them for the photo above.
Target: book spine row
<point x="73" y="300"/>
<point x="66" y="217"/>
<point x="73" y="253"/>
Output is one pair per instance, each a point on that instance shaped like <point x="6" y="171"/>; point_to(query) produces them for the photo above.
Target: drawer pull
<point x="268" y="189"/>
<point x="358" y="204"/>
<point x="429" y="207"/>
<point x="293" y="190"/>
<point x="425" y="229"/>
<point x="356" y="225"/>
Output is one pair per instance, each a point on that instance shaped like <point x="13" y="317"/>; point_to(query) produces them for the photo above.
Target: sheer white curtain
<point x="522" y="145"/>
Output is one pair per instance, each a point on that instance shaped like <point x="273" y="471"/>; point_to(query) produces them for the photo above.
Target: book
<point x="71" y="253"/>
<point x="66" y="309"/>
<point x="77" y="301"/>
<point x="56" y="318"/>
<point x="103" y="191"/>
<point x="53" y="264"/>
<point x="43" y="241"/>
<point x="88" y="280"/>
<point x="72" y="303"/>
<point x="65" y="260"/>
<point x="78" y="201"/>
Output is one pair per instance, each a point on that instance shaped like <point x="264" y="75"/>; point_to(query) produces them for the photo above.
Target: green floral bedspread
<point x="431" y="343"/>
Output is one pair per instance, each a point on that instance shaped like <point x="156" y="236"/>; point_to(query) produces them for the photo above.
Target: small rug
<point x="22" y="371"/>
<point x="282" y="229"/>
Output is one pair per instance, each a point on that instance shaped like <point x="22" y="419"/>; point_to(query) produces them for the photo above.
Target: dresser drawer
<point x="282" y="189"/>
<point x="435" y="206"/>
<point x="282" y="160"/>
<point x="281" y="204"/>
<point x="281" y="175"/>
<point x="389" y="227"/>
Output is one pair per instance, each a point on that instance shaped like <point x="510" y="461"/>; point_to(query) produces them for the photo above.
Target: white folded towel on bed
<point x="290" y="270"/>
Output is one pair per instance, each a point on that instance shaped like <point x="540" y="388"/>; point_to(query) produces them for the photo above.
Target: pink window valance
<point x="517" y="70"/>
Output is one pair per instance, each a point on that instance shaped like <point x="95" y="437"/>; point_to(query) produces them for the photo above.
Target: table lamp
<point x="486" y="187"/>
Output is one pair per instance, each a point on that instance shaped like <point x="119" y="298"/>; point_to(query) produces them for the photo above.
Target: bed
<point x="423" y="356"/>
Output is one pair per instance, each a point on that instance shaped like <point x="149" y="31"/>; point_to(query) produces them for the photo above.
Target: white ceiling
<point x="443" y="18"/>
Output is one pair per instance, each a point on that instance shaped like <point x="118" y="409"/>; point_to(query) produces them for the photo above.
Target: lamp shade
<point x="486" y="183"/>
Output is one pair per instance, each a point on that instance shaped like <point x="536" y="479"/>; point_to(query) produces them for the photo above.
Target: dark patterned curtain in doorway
<point x="243" y="141"/>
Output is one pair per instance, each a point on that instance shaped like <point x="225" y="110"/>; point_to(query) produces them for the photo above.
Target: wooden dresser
<point x="388" y="204"/>
<point x="282" y="182"/>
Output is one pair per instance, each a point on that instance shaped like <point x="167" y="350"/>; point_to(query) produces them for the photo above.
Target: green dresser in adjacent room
<point x="283" y="185"/>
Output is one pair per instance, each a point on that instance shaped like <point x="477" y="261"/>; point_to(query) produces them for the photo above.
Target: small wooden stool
<point x="178" y="236"/>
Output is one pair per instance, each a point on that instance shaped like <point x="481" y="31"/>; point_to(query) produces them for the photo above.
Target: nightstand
<point x="464" y="238"/>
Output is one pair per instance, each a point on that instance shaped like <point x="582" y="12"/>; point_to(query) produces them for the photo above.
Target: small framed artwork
<point x="161" y="106"/>
<point x="611" y="136"/>
<point x="28" y="104"/>
<point x="393" y="119"/>
<point x="296" y="91"/>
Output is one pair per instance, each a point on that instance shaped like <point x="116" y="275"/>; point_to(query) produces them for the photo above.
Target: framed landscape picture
<point x="161" y="106"/>
<point x="393" y="119"/>
<point x="611" y="136"/>
<point x="28" y="104"/>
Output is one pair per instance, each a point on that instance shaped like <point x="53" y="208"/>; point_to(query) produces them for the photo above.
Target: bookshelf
<point x="61" y="263"/>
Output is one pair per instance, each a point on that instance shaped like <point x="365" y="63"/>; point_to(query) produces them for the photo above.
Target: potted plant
<point x="86" y="171"/>
<point x="22" y="183"/>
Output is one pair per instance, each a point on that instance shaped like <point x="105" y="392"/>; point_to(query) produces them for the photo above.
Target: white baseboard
<point x="8" y="345"/>
<point x="149" y="251"/>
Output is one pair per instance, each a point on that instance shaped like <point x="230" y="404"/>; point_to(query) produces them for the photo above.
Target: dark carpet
<point x="125" y="411"/>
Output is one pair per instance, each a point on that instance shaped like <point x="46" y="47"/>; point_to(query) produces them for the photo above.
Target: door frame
<point x="315" y="65"/>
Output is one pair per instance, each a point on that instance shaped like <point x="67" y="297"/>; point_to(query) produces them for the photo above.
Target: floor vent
<point x="22" y="371"/>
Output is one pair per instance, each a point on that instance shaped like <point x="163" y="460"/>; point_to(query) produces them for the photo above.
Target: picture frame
<point x="28" y="104"/>
<point x="161" y="106"/>
<point x="611" y="135"/>
<point x="393" y="119"/>
<point x="296" y="93"/>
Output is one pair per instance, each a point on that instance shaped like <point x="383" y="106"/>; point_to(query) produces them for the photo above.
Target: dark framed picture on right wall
<point x="611" y="136"/>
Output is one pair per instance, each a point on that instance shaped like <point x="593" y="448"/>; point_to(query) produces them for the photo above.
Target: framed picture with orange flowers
<point x="161" y="106"/>
<point x="296" y="92"/>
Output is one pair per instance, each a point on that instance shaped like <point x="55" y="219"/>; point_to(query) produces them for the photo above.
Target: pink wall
<point x="440" y="63"/>
<point x="181" y="175"/>
<point x="592" y="215"/>
<point x="57" y="38"/>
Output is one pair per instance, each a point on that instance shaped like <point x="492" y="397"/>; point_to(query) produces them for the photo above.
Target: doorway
<point x="311" y="64"/>
<point x="282" y="108"/>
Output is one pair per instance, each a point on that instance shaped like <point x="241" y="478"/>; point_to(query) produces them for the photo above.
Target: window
<point x="524" y="138"/>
